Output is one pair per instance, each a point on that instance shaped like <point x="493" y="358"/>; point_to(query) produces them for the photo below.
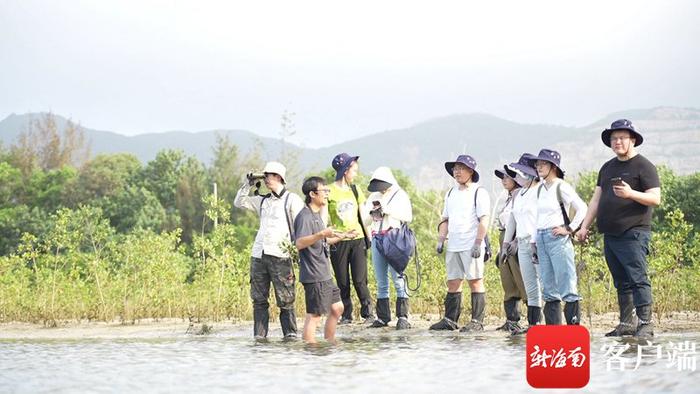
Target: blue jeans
<point x="531" y="278"/>
<point x="626" y="256"/>
<point x="381" y="274"/>
<point x="557" y="267"/>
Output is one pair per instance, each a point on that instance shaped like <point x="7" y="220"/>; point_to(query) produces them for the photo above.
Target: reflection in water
<point x="361" y="361"/>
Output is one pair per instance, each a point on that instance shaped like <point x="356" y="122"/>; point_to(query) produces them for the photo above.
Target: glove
<point x="533" y="251"/>
<point x="440" y="245"/>
<point x="476" y="249"/>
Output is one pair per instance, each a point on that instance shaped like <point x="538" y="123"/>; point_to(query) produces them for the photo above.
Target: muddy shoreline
<point x="676" y="322"/>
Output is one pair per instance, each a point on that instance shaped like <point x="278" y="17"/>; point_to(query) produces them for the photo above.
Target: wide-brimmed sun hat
<point x="550" y="156"/>
<point x="467" y="161"/>
<point x="341" y="163"/>
<point x="621" y="124"/>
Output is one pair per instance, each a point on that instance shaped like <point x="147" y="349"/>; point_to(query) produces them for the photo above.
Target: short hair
<point x="311" y="184"/>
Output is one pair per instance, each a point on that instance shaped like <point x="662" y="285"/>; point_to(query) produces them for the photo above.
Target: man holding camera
<point x="627" y="190"/>
<point x="270" y="262"/>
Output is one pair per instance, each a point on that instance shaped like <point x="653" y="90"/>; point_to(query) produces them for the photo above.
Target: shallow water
<point x="364" y="360"/>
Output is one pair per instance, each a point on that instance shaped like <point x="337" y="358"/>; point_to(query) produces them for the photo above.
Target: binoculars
<point x="254" y="176"/>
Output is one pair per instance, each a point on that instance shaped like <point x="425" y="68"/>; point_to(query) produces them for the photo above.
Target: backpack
<point x="397" y="245"/>
<point x="487" y="241"/>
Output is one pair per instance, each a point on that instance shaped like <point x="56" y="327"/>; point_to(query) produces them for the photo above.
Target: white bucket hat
<point x="274" y="167"/>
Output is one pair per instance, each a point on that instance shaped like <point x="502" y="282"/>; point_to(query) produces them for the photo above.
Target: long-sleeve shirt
<point x="548" y="211"/>
<point x="274" y="228"/>
<point x="395" y="211"/>
<point x="522" y="220"/>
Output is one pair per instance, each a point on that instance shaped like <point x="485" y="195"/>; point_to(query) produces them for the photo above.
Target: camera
<point x="254" y="176"/>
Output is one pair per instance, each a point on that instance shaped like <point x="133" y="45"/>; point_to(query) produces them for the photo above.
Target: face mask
<point x="522" y="180"/>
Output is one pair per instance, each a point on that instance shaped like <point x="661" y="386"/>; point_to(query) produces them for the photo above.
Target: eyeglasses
<point x="326" y="190"/>
<point x="613" y="139"/>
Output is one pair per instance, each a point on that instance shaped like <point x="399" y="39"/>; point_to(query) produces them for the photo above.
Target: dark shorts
<point x="320" y="296"/>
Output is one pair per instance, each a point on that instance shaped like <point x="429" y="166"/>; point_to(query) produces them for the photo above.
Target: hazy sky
<point x="345" y="68"/>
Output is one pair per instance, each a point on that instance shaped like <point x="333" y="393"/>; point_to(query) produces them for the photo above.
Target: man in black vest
<point x="627" y="190"/>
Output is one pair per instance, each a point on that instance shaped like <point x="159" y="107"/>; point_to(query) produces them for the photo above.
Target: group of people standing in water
<point x="335" y="225"/>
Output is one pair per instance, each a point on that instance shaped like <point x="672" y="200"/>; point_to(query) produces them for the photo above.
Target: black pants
<point x="350" y="258"/>
<point x="626" y="256"/>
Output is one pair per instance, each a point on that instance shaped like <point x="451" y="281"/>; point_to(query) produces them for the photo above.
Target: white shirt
<point x="504" y="205"/>
<point x="273" y="223"/>
<point x="548" y="211"/>
<point x="524" y="214"/>
<point x="463" y="224"/>
<point x="396" y="210"/>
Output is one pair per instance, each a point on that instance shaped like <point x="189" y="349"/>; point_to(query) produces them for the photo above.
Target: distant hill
<point x="672" y="137"/>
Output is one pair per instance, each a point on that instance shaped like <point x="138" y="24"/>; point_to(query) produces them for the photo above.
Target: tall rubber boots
<point x="383" y="313"/>
<point x="572" y="313"/>
<point x="402" y="314"/>
<point x="478" y="309"/>
<point x="645" y="329"/>
<point x="552" y="312"/>
<point x="453" y="308"/>
<point x="628" y="320"/>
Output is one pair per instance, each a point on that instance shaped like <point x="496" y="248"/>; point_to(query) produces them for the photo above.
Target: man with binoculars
<point x="269" y="262"/>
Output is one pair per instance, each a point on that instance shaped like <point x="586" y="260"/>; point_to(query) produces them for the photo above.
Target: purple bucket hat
<point x="341" y="163"/>
<point x="525" y="164"/>
<point x="550" y="156"/>
<point x="467" y="161"/>
<point x="621" y="124"/>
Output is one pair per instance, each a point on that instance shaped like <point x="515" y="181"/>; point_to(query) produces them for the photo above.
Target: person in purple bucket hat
<point x="507" y="261"/>
<point x="521" y="224"/>
<point x="627" y="190"/>
<point x="466" y="212"/>
<point x="555" y="249"/>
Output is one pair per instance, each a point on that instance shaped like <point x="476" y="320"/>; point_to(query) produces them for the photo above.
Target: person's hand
<point x="582" y="234"/>
<point x="623" y="191"/>
<point x="533" y="253"/>
<point x="560" y="230"/>
<point x="327" y="232"/>
<point x="352" y="234"/>
<point x="440" y="245"/>
<point x="476" y="249"/>
<point x="512" y="248"/>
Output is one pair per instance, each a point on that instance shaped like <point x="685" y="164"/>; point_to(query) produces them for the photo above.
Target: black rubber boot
<point x="453" y="308"/>
<point x="513" y="316"/>
<point x="478" y="309"/>
<point x="508" y="306"/>
<point x="628" y="319"/>
<point x="288" y="321"/>
<point x="534" y="315"/>
<point x="261" y="321"/>
<point x="383" y="313"/>
<point x="645" y="328"/>
<point x="402" y="314"/>
<point x="572" y="313"/>
<point x="552" y="313"/>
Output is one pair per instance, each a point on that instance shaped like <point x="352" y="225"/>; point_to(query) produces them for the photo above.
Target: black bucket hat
<point x="621" y="124"/>
<point x="467" y="161"/>
<point x="550" y="156"/>
<point x="504" y="172"/>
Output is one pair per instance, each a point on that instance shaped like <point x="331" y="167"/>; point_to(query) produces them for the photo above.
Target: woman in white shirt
<point x="521" y="224"/>
<point x="555" y="249"/>
<point x="507" y="261"/>
<point x="389" y="206"/>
